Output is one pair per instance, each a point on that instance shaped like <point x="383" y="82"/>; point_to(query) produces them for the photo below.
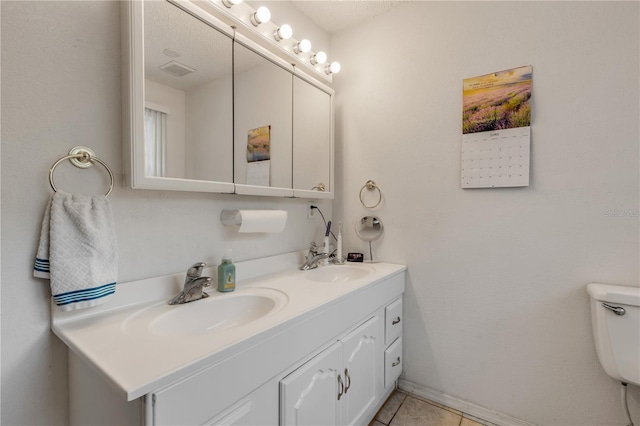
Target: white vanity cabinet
<point x="339" y="385"/>
<point x="325" y="363"/>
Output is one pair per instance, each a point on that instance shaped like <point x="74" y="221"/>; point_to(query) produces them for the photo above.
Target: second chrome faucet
<point x="312" y="259"/>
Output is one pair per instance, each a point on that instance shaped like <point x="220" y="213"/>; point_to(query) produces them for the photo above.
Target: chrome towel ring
<point x="371" y="185"/>
<point x="82" y="157"/>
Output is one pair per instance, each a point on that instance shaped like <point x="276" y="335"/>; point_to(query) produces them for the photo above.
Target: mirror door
<point x="180" y="90"/>
<point x="312" y="140"/>
<point x="262" y="123"/>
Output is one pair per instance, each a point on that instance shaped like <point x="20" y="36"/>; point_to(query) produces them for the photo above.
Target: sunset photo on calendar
<point x="497" y="101"/>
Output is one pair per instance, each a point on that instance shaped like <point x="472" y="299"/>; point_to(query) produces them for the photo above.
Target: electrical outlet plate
<point x="311" y="212"/>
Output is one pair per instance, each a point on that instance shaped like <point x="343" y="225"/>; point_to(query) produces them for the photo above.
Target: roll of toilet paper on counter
<point x="255" y="220"/>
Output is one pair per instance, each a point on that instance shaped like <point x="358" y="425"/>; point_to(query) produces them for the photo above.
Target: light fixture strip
<point x="241" y="13"/>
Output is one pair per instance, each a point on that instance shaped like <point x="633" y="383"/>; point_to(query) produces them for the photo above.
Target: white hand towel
<point x="78" y="251"/>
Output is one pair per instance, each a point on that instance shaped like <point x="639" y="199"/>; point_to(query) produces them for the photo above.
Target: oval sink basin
<point x="214" y="314"/>
<point x="338" y="273"/>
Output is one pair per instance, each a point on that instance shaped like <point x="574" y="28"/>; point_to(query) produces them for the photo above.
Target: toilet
<point x="615" y="319"/>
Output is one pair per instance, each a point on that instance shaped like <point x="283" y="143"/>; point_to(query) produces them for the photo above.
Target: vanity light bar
<point x="259" y="21"/>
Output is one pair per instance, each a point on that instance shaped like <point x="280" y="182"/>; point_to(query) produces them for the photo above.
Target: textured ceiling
<point x="336" y="15"/>
<point x="200" y="46"/>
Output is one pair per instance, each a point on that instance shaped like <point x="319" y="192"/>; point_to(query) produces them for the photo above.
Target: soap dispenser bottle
<point x="226" y="274"/>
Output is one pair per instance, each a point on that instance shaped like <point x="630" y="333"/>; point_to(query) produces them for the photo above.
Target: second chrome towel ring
<point x="82" y="157"/>
<point x="371" y="185"/>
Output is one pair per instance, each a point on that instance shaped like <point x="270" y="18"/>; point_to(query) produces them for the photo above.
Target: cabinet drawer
<point x="392" y="362"/>
<point x="393" y="321"/>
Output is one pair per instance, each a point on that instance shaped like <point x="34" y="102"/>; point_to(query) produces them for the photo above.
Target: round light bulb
<point x="231" y="3"/>
<point x="260" y="16"/>
<point x="334" y="68"/>
<point x="303" y="46"/>
<point x="283" y="33"/>
<point x="319" y="58"/>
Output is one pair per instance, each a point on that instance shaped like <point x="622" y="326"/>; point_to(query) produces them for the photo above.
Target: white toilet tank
<point x="616" y="329"/>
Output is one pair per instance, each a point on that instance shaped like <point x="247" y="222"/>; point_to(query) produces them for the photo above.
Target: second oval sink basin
<point x="338" y="273"/>
<point x="213" y="314"/>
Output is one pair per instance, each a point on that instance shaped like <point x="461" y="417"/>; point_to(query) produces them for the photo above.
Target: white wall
<point x="61" y="88"/>
<point x="496" y="308"/>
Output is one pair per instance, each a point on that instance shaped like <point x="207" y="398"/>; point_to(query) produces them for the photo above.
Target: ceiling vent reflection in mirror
<point x="177" y="69"/>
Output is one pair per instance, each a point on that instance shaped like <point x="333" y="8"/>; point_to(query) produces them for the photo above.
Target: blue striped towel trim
<point x="85" y="294"/>
<point x="41" y="265"/>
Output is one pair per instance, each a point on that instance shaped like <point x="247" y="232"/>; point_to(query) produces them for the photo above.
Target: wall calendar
<point x="496" y="129"/>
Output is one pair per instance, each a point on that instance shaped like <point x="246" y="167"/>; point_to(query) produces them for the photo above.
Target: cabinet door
<point x="312" y="140"/>
<point x="309" y="395"/>
<point x="361" y="350"/>
<point x="262" y="99"/>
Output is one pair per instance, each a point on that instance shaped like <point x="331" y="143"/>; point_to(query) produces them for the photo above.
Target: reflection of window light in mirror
<point x="333" y="68"/>
<point x="283" y="33"/>
<point x="319" y="58"/>
<point x="155" y="142"/>
<point x="260" y="16"/>
<point x="231" y="3"/>
<point x="303" y="46"/>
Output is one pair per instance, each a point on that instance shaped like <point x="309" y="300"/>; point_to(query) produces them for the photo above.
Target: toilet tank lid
<point x="615" y="293"/>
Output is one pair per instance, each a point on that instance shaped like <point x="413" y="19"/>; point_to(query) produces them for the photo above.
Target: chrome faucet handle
<point x="195" y="289"/>
<point x="194" y="271"/>
<point x="199" y="283"/>
<point x="313" y="249"/>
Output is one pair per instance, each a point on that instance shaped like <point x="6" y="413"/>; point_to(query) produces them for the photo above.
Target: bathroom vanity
<point x="287" y="347"/>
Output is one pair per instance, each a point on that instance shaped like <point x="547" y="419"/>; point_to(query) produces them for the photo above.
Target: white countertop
<point x="137" y="363"/>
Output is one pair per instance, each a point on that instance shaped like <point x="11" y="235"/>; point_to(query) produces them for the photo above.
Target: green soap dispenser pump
<point x="226" y="274"/>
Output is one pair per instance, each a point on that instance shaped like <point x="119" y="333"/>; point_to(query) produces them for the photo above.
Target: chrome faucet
<point x="312" y="259"/>
<point x="194" y="285"/>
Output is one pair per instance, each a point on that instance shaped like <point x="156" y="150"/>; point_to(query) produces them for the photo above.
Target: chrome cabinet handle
<point x="348" y="378"/>
<point x="615" y="309"/>
<point x="395" y="321"/>
<point x="341" y="392"/>
<point x="396" y="362"/>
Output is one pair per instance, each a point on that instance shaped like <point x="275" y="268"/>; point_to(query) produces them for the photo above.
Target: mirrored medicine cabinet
<point x="207" y="109"/>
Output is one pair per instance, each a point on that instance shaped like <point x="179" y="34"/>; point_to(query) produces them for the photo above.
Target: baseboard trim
<point x="500" y="419"/>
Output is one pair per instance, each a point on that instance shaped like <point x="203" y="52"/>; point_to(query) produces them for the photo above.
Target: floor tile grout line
<point x="398" y="409"/>
<point x="462" y="415"/>
<point x="437" y="404"/>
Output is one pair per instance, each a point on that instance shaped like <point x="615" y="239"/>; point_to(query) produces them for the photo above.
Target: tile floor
<point x="402" y="409"/>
